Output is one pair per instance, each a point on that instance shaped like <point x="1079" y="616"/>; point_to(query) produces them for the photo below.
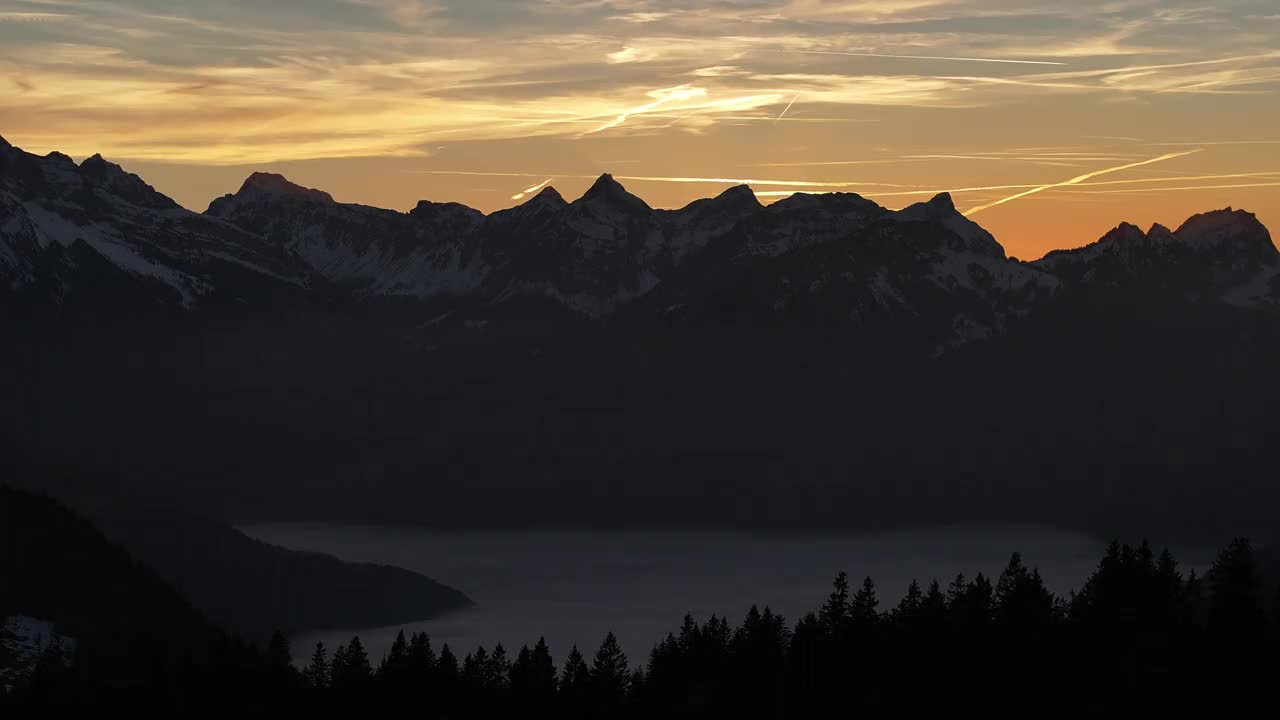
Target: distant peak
<point x="98" y="163"/>
<point x="4" y="143"/>
<point x="1235" y="229"/>
<point x="739" y="194"/>
<point x="607" y="189"/>
<point x="943" y="202"/>
<point x="547" y="197"/>
<point x="109" y="176"/>
<point x="549" y="194"/>
<point x="1159" y="231"/>
<point x="941" y="209"/>
<point x="274" y="184"/>
<point x="428" y="210"/>
<point x="605" y="184"/>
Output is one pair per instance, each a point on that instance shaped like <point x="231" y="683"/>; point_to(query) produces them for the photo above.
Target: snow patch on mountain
<point x="942" y="210"/>
<point x="26" y="639"/>
<point x="52" y="228"/>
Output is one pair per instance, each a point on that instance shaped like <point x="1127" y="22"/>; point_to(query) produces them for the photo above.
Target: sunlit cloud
<point x="31" y="17"/>
<point x="908" y="95"/>
<point x="531" y="190"/>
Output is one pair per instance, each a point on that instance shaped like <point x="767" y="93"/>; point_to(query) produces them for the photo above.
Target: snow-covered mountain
<point x="1221" y="256"/>
<point x="925" y="273"/>
<point x="65" y="227"/>
<point x="840" y="256"/>
<point x="374" y="251"/>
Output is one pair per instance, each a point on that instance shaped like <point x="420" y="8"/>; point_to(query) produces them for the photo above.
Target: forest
<point x="1139" y="637"/>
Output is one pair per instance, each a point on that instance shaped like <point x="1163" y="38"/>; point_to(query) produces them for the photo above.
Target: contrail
<point x="529" y="191"/>
<point x="674" y="95"/>
<point x="1079" y="179"/>
<point x="1134" y="181"/>
<point x="928" y="57"/>
<point x="787" y="109"/>
<point x="1172" y="189"/>
<point x="894" y="161"/>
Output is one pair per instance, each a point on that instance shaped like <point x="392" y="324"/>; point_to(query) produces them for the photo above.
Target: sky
<point x="1050" y="122"/>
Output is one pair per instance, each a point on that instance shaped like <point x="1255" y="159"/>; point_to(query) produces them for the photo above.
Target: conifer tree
<point x="909" y="607"/>
<point x="447" y="668"/>
<point x="279" y="654"/>
<point x="422" y="658"/>
<point x="397" y="657"/>
<point x="351" y="669"/>
<point x="835" y="612"/>
<point x="533" y="681"/>
<point x="610" y="678"/>
<point x="575" y="683"/>
<point x="497" y="671"/>
<point x="864" y="606"/>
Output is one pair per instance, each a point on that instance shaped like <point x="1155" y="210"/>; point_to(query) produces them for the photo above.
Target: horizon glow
<point x="387" y="102"/>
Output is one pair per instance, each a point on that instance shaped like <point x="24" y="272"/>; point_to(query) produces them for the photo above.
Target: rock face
<point x="94" y="229"/>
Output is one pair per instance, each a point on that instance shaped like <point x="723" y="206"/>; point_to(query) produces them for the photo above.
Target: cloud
<point x="929" y="57"/>
<point x="913" y="92"/>
<point x="531" y="190"/>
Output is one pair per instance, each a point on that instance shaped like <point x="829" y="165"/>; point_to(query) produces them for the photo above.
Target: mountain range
<point x="558" y="359"/>
<point x="832" y="258"/>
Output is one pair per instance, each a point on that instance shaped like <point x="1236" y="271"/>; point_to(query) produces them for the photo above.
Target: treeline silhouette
<point x="1138" y="638"/>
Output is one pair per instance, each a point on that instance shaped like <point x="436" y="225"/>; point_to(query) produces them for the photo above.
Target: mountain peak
<point x="941" y="209"/>
<point x="548" y="194"/>
<point x="429" y="211"/>
<point x="943" y="203"/>
<point x="99" y="165"/>
<point x="4" y="143"/>
<point x="273" y="184"/>
<point x="610" y="191"/>
<point x="1232" y="229"/>
<point x="739" y="194"/>
<point x="116" y="180"/>
<point x="548" y="198"/>
<point x="604" y="185"/>
<point x="1125" y="232"/>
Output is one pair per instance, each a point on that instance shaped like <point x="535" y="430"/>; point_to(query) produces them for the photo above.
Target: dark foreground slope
<point x="138" y="643"/>
<point x="248" y="587"/>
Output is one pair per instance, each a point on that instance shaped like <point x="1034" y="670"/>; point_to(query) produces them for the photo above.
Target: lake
<point x="574" y="586"/>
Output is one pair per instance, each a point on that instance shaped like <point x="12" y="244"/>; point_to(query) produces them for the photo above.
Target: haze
<point x="386" y="102"/>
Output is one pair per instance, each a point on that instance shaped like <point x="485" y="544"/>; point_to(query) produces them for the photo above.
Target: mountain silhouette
<point x="542" y="363"/>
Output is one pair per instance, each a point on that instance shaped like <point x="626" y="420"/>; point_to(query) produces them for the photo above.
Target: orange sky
<point x="386" y="102"/>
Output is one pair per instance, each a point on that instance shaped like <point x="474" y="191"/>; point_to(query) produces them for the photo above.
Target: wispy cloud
<point x="1001" y="61"/>
<point x="906" y="94"/>
<point x="531" y="190"/>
